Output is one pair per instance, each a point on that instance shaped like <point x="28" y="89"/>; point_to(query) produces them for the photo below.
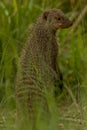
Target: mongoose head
<point x="56" y="19"/>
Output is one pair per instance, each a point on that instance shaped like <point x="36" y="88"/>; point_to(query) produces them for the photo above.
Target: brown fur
<point x="37" y="70"/>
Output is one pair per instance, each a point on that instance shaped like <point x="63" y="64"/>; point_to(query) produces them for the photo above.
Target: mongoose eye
<point x="59" y="18"/>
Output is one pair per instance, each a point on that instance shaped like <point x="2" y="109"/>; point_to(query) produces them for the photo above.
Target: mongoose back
<point x="37" y="70"/>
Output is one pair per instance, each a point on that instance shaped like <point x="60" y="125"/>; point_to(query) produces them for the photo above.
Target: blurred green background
<point x="16" y="17"/>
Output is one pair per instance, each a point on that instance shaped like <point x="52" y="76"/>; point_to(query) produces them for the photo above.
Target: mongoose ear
<point x="45" y="15"/>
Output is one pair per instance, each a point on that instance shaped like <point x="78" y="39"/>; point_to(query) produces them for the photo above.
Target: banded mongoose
<point x="37" y="72"/>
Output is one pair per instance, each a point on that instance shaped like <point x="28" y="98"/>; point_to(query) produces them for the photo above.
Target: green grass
<point x="15" y="19"/>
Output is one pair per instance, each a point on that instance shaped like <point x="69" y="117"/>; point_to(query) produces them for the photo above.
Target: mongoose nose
<point x="69" y="23"/>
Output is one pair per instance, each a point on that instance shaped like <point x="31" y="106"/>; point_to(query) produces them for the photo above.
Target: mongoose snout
<point x="66" y="23"/>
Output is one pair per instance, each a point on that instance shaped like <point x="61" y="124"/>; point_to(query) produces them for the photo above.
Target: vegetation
<point x="16" y="17"/>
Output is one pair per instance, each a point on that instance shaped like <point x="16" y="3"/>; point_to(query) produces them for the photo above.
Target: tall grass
<point x="15" y="19"/>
